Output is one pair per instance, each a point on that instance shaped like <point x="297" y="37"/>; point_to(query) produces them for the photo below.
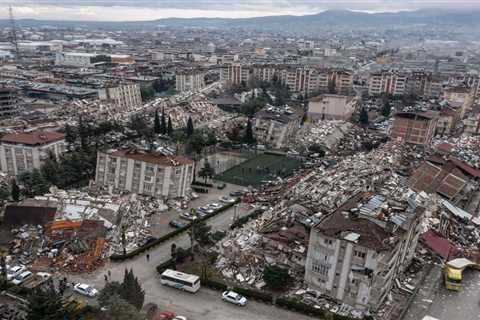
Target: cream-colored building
<point x="332" y="107"/>
<point x="145" y="173"/>
<point x="387" y="82"/>
<point x="189" y="80"/>
<point x="123" y="96"/>
<point x="27" y="151"/>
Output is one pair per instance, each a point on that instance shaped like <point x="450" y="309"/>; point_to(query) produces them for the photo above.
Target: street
<point x="436" y="301"/>
<point x="203" y="305"/>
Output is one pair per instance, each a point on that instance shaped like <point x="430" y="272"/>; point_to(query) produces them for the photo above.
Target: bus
<point x="452" y="278"/>
<point x="180" y="280"/>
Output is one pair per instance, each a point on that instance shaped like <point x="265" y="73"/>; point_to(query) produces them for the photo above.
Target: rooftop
<point x="32" y="138"/>
<point x="154" y="158"/>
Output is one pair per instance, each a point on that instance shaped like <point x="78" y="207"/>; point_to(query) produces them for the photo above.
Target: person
<point x="106" y="277"/>
<point x="148" y="257"/>
<point x="109" y="274"/>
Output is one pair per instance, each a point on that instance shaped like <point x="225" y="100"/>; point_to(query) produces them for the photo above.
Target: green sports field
<point x="258" y="170"/>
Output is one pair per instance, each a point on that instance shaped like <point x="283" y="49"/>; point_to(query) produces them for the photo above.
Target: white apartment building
<point x="234" y="74"/>
<point x="189" y="80"/>
<point x="355" y="254"/>
<point x="26" y="151"/>
<point x="388" y="82"/>
<point x="332" y="107"/>
<point x="144" y="173"/>
<point x="124" y="96"/>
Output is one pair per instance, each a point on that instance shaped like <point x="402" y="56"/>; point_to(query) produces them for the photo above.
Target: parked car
<point x="226" y="199"/>
<point x="235" y="298"/>
<point x="188" y="216"/>
<point x="85" y="290"/>
<point x="221" y="186"/>
<point x="180" y="318"/>
<point x="215" y="205"/>
<point x="164" y="315"/>
<point x="237" y="193"/>
<point x="20" y="278"/>
<point x="15" y="271"/>
<point x="206" y="210"/>
<point x="177" y="224"/>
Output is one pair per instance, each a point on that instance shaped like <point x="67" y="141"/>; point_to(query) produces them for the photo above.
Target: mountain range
<point x="325" y="20"/>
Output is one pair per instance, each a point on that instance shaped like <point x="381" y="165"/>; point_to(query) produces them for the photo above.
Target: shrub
<point x="216" y="285"/>
<point x="299" y="306"/>
<point x="164" y="266"/>
<point x="276" y="277"/>
<point x="254" y="294"/>
<point x="202" y="184"/>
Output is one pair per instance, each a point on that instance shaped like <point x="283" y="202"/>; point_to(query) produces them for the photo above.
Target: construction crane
<point x="13" y="28"/>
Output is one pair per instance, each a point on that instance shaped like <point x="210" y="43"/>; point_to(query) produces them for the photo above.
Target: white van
<point x="22" y="277"/>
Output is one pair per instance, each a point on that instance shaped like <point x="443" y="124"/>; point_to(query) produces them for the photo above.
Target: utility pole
<point x="13" y="30"/>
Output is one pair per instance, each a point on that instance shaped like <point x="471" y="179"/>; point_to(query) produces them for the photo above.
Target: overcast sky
<point x="123" y="10"/>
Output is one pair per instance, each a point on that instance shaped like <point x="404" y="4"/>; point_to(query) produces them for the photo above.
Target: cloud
<point x="120" y="10"/>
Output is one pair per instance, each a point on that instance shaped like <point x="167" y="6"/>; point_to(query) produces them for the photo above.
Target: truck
<point x="453" y="272"/>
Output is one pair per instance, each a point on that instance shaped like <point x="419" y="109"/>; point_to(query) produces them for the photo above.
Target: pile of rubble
<point x="11" y="312"/>
<point x="337" y="137"/>
<point x="466" y="148"/>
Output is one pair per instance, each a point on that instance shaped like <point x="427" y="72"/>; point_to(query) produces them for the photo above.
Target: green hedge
<point x="216" y="285"/>
<point x="202" y="184"/>
<point x="164" y="266"/>
<point x="240" y="222"/>
<point x="300" y="307"/>
<point x="254" y="294"/>
<point x="168" y="236"/>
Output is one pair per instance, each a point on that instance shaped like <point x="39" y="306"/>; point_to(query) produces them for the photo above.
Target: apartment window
<point x="359" y="254"/>
<point x="328" y="242"/>
<point x="320" y="268"/>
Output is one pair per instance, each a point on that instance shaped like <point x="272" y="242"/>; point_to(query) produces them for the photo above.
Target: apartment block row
<point x="422" y="84"/>
<point x="306" y="80"/>
<point x="189" y="80"/>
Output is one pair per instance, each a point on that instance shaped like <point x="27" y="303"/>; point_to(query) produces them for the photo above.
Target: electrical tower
<point x="13" y="28"/>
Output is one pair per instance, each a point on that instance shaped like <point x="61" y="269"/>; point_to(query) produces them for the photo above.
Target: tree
<point x="156" y="124"/>
<point x="169" y="127"/>
<point x="163" y="124"/>
<point x="249" y="138"/>
<point x="173" y="255"/>
<point x="386" y="109"/>
<point x="195" y="143"/>
<point x="276" y="277"/>
<point x="190" y="129"/>
<point x="39" y="185"/>
<point x="317" y="148"/>
<point x="70" y="135"/>
<point x="131" y="290"/>
<point x="111" y="288"/>
<point x="363" y="116"/>
<point x="119" y="309"/>
<point x="4" y="193"/>
<point x="84" y="132"/>
<point x="44" y="305"/>
<point x="202" y="232"/>
<point x="332" y="86"/>
<point x="147" y="93"/>
<point x="51" y="170"/>
<point x="15" y="190"/>
<point x="207" y="171"/>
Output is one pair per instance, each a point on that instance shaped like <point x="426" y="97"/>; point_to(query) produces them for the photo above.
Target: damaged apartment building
<point x="144" y="173"/>
<point x="356" y="253"/>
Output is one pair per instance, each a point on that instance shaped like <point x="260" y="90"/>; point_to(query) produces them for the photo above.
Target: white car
<point x="180" y="318"/>
<point x="19" y="279"/>
<point x="227" y="200"/>
<point x="215" y="205"/>
<point x="85" y="289"/>
<point x="235" y="298"/>
<point x="15" y="271"/>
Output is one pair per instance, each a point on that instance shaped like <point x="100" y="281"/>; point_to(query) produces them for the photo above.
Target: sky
<point x="128" y="10"/>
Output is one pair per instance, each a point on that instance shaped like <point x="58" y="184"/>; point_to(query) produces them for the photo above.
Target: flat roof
<point x="180" y="275"/>
<point x="154" y="158"/>
<point x="32" y="138"/>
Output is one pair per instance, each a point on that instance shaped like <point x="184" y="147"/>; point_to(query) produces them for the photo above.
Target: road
<point x="203" y="305"/>
<point x="436" y="301"/>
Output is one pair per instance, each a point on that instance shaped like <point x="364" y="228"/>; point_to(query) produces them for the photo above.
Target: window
<point x="320" y="268"/>
<point x="359" y="254"/>
<point x="328" y="242"/>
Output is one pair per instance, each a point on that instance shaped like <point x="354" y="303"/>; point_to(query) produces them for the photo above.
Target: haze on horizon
<point x="136" y="10"/>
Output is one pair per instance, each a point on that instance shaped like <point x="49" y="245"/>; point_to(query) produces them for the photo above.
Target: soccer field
<point x="258" y="170"/>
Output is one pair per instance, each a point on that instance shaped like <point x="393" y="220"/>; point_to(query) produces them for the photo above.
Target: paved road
<point x="434" y="300"/>
<point x="203" y="305"/>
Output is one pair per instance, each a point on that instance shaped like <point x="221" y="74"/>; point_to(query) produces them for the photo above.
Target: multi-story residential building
<point x="145" y="173"/>
<point x="447" y="121"/>
<point x="332" y="107"/>
<point x="26" y="151"/>
<point x="275" y="126"/>
<point x="189" y="80"/>
<point x="80" y="59"/>
<point x="8" y="102"/>
<point x="123" y="96"/>
<point x="343" y="80"/>
<point x="433" y="86"/>
<point x="471" y="125"/>
<point x="460" y="97"/>
<point x="235" y="74"/>
<point x="414" y="127"/>
<point x="356" y="253"/>
<point x="387" y="82"/>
